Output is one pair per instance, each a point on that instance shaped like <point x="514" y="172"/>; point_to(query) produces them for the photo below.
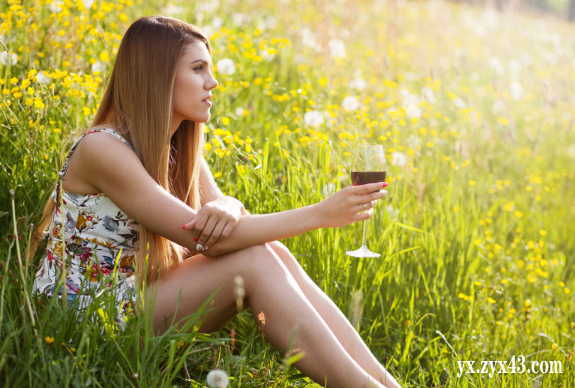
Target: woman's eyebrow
<point x="203" y="61"/>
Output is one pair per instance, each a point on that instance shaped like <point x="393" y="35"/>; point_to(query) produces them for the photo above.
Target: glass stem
<point x="363" y="244"/>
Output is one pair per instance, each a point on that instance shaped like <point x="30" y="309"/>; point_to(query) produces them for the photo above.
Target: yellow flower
<point x="554" y="346"/>
<point x="38" y="103"/>
<point x="105" y="56"/>
<point x="225" y="120"/>
<point x="491" y="300"/>
<point x="49" y="340"/>
<point x="472" y="183"/>
<point x="503" y="121"/>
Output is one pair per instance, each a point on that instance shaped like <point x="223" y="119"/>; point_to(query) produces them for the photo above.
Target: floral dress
<point x="95" y="242"/>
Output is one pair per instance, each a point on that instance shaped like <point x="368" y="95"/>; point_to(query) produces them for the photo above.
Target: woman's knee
<point x="260" y="260"/>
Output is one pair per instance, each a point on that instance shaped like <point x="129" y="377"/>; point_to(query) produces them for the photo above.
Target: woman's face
<point x="193" y="85"/>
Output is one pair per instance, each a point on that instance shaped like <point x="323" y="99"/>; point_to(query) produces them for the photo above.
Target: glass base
<point x="362" y="252"/>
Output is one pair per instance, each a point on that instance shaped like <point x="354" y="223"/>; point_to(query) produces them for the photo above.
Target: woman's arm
<point x="209" y="189"/>
<point x="109" y="165"/>
<point x="219" y="213"/>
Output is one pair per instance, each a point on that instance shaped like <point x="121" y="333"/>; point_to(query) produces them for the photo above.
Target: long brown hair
<point x="138" y="104"/>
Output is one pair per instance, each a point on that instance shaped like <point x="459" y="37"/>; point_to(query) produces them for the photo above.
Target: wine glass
<point x="368" y="167"/>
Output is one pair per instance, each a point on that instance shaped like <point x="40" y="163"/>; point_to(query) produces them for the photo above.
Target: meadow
<point x="475" y="110"/>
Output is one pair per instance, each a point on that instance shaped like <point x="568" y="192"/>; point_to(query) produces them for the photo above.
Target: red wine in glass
<point x="365" y="177"/>
<point x="368" y="167"/>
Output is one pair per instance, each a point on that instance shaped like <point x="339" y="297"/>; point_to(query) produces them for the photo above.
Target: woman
<point x="136" y="187"/>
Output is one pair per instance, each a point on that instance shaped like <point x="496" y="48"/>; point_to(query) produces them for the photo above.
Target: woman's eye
<point x="198" y="68"/>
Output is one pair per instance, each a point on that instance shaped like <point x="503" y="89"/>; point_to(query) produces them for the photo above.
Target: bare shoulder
<point x="97" y="144"/>
<point x="103" y="150"/>
<point x="93" y="155"/>
<point x="101" y="156"/>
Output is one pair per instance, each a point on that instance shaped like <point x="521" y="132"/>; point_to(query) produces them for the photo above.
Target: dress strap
<point x="62" y="172"/>
<point x="75" y="145"/>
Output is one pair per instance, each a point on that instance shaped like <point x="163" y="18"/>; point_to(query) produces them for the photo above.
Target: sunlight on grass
<point x="475" y="110"/>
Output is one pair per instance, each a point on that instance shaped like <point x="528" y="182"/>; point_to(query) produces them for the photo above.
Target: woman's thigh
<point x="182" y="291"/>
<point x="291" y="263"/>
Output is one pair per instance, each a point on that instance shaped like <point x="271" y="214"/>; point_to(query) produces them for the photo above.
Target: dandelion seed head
<point x="313" y="118"/>
<point x="226" y="66"/>
<point x="8" y="59"/>
<point x="399" y="159"/>
<point x="217" y="379"/>
<point x="56" y="6"/>
<point x="42" y="78"/>
<point x="98" y="66"/>
<point x="337" y="48"/>
<point x="351" y="103"/>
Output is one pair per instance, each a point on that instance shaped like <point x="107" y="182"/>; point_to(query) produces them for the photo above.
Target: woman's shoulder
<point x="106" y="132"/>
<point x="97" y="153"/>
<point x="103" y="149"/>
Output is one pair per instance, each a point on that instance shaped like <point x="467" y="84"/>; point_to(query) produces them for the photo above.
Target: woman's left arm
<point x="219" y="213"/>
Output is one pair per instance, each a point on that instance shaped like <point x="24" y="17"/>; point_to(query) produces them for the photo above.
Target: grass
<point x="475" y="111"/>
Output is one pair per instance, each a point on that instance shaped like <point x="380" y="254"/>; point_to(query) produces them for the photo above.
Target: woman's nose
<point x="212" y="83"/>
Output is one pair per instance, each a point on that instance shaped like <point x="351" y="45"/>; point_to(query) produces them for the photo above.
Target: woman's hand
<point x="215" y="221"/>
<point x="344" y="207"/>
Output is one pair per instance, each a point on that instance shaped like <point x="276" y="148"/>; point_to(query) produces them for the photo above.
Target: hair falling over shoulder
<point x="138" y="104"/>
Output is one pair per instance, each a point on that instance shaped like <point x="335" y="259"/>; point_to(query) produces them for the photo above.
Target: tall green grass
<point x="476" y="233"/>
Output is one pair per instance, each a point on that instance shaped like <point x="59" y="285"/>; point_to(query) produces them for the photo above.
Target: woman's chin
<point x="205" y="118"/>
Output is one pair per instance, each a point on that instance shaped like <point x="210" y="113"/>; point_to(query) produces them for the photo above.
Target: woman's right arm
<point x="109" y="165"/>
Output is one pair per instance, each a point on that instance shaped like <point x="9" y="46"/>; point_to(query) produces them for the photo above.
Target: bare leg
<point x="335" y="319"/>
<point x="271" y="289"/>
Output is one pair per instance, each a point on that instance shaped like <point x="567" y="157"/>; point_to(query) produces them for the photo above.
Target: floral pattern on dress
<point x="92" y="237"/>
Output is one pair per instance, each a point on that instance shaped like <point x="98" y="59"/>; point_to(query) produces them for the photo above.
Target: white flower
<point x="337" y="48"/>
<point x="88" y="3"/>
<point x="516" y="90"/>
<point x="218" y="379"/>
<point x="328" y="189"/>
<point x="399" y="159"/>
<point x="309" y="39"/>
<point x="98" y="66"/>
<point x="358" y="84"/>
<point x="392" y="212"/>
<point x="239" y="111"/>
<point x="459" y="103"/>
<point x="429" y="95"/>
<point x="351" y="103"/>
<point x="498" y="107"/>
<point x="207" y="6"/>
<point x="42" y="78"/>
<point x="313" y="118"/>
<point x="240" y="18"/>
<point x="226" y="66"/>
<point x="497" y="66"/>
<point x="8" y="59"/>
<point x="56" y="6"/>
<point x="174" y="10"/>
<point x="411" y="104"/>
<point x="217" y="22"/>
